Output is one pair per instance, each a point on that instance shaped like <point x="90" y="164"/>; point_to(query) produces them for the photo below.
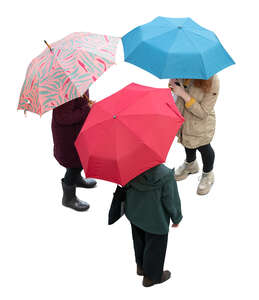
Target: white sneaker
<point x="206" y="182"/>
<point x="186" y="169"/>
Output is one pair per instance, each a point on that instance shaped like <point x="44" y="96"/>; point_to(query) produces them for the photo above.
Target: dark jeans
<point x="150" y="250"/>
<point x="71" y="175"/>
<point x="207" y="155"/>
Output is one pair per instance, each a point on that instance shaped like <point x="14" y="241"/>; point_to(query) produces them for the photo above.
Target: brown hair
<point x="205" y="85"/>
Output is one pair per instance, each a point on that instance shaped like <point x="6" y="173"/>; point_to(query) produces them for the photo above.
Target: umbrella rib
<point x="197" y="28"/>
<point x="121" y="122"/>
<point x="89" y="51"/>
<point x="112" y="62"/>
<point x="168" y="51"/>
<point x="101" y="121"/>
<point x="160" y="34"/>
<point x="150" y="38"/>
<point x="67" y="75"/>
<point x="125" y="108"/>
<point x="75" y="86"/>
<point x="96" y="145"/>
<point x="159" y="158"/>
<point x="204" y="37"/>
<point x="39" y="85"/>
<point x="116" y="150"/>
<point x="140" y="139"/>
<point x="21" y="97"/>
<point x="168" y="30"/>
<point x="132" y="103"/>
<point x="204" y="69"/>
<point x="74" y="83"/>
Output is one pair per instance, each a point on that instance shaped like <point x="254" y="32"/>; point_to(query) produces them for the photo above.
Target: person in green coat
<point x="152" y="199"/>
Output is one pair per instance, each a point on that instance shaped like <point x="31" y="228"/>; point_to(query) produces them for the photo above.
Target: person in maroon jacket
<point x="67" y="121"/>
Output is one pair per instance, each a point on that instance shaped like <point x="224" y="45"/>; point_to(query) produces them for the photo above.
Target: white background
<point x="51" y="252"/>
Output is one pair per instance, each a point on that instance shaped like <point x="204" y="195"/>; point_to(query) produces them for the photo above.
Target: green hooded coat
<point x="152" y="199"/>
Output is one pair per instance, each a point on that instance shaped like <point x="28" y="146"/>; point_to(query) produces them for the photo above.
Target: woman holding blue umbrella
<point x="196" y="100"/>
<point x="181" y="48"/>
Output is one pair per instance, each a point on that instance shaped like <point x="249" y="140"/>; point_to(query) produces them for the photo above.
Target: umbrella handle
<point x="86" y="97"/>
<point x="48" y="46"/>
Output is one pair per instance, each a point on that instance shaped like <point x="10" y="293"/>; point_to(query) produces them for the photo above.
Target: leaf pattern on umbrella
<point x="57" y="76"/>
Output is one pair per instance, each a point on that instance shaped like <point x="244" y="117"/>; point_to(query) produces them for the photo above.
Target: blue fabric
<point x="175" y="48"/>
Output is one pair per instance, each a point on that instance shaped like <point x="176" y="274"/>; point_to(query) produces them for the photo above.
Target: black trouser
<point x="207" y="155"/>
<point x="150" y="250"/>
<point x="71" y="175"/>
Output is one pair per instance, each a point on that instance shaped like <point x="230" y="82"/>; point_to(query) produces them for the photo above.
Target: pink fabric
<point x="66" y="72"/>
<point x="128" y="133"/>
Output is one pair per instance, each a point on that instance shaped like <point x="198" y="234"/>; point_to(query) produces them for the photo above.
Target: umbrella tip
<point x="48" y="45"/>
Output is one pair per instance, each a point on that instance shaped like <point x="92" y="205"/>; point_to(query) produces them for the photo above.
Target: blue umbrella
<point x="175" y="48"/>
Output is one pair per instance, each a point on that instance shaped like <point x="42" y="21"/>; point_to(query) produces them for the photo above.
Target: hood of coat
<point x="151" y="179"/>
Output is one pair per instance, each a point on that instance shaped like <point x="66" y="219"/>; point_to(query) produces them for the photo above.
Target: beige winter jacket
<point x="199" y="126"/>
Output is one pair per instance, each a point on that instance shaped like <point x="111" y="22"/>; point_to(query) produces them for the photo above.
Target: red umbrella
<point x="128" y="132"/>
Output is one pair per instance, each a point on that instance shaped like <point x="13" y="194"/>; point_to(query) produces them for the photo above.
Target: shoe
<point x="140" y="271"/>
<point x="70" y="199"/>
<point x="186" y="169"/>
<point x="147" y="282"/>
<point x="86" y="183"/>
<point x="206" y="183"/>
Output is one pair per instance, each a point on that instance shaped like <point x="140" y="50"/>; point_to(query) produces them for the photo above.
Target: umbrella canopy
<point x="175" y="48"/>
<point x="128" y="133"/>
<point x="65" y="70"/>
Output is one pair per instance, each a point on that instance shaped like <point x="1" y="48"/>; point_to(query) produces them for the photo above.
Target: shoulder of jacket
<point x="168" y="177"/>
<point x="165" y="175"/>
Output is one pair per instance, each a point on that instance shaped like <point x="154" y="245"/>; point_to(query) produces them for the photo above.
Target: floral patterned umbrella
<point x="65" y="70"/>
